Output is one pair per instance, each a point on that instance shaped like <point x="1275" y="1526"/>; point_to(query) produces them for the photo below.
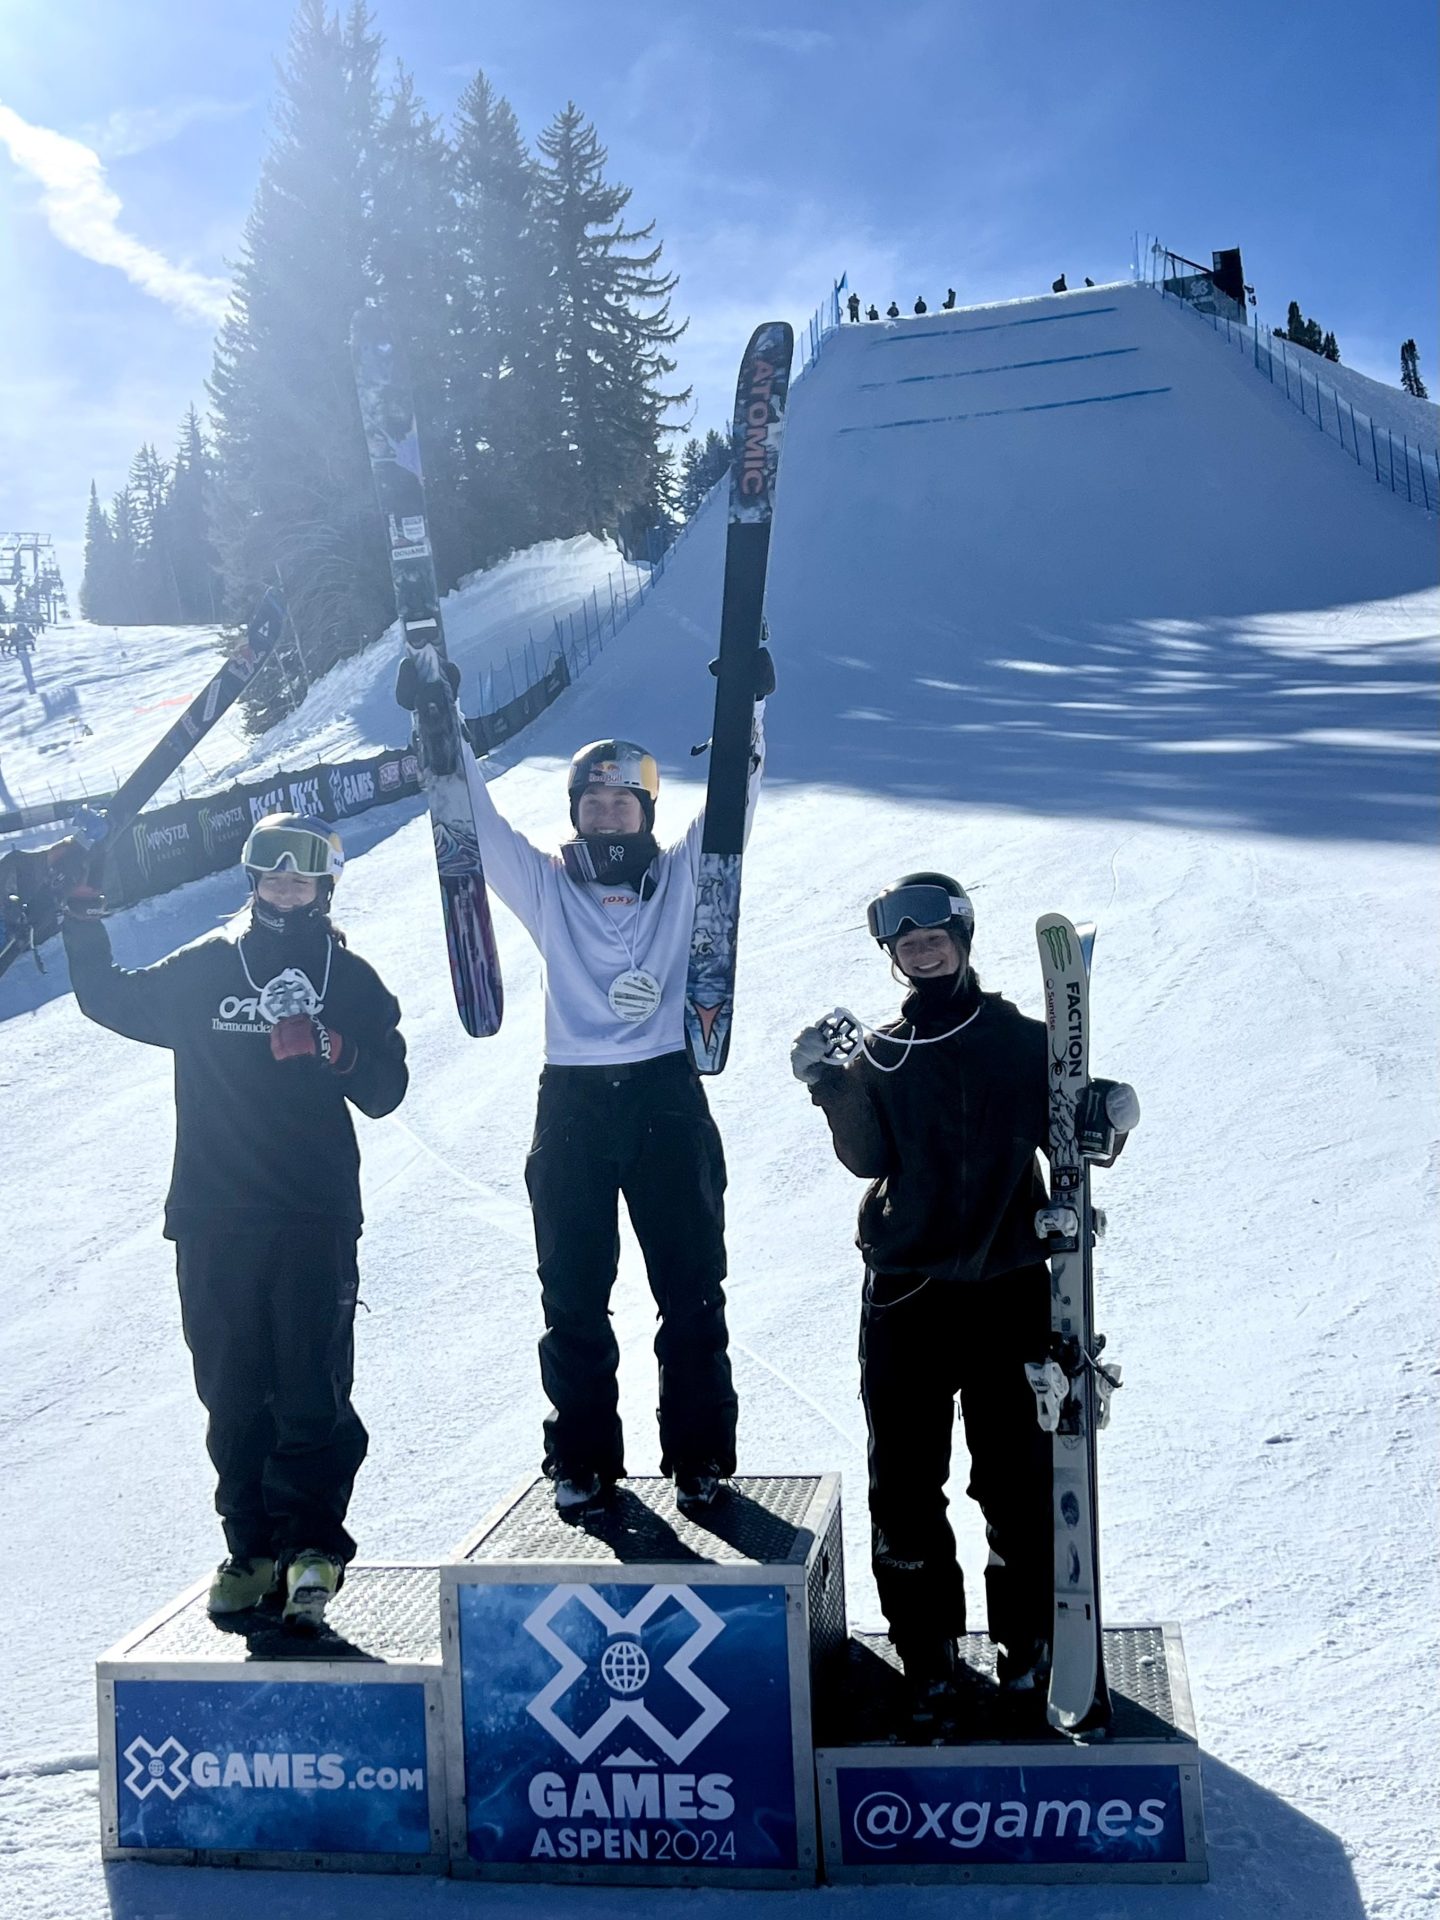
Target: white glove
<point x="1122" y="1106"/>
<point x="829" y="1043"/>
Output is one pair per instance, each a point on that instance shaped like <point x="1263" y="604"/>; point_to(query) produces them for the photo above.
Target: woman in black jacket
<point x="944" y="1111"/>
<point x="275" y="1025"/>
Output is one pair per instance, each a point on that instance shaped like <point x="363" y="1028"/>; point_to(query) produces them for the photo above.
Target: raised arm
<point x="141" y="1003"/>
<point x="514" y="868"/>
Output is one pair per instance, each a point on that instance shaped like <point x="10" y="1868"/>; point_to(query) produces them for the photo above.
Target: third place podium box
<point x="1010" y="1799"/>
<point x="628" y="1698"/>
<point x="232" y="1743"/>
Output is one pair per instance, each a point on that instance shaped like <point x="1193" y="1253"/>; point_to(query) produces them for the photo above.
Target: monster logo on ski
<point x="33" y="879"/>
<point x="755" y="458"/>
<point x="387" y="410"/>
<point x="1071" y="1388"/>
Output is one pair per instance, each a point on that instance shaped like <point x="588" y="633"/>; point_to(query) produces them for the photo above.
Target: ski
<point x="754" y="462"/>
<point x="387" y="411"/>
<point x="31" y="878"/>
<point x="1071" y="1387"/>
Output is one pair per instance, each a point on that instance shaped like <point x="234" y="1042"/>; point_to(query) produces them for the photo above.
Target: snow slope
<point x="1112" y="631"/>
<point x="104" y="695"/>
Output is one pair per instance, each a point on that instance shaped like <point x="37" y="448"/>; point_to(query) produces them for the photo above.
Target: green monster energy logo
<point x="1057" y="939"/>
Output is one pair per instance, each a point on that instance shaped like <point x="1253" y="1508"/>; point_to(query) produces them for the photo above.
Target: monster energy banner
<point x="170" y="845"/>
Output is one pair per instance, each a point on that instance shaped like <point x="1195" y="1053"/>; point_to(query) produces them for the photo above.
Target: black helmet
<point x="615" y="763"/>
<point x="921" y="900"/>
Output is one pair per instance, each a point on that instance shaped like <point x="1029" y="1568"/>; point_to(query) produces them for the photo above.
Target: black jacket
<point x="949" y="1139"/>
<point x="255" y="1138"/>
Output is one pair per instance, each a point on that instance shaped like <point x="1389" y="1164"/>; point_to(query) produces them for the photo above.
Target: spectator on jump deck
<point x="948" y="303"/>
<point x="853" y="306"/>
<point x="920" y="306"/>
<point x="1088" y="281"/>
<point x="892" y="312"/>
<point x="1059" y="286"/>
<point x="872" y="312"/>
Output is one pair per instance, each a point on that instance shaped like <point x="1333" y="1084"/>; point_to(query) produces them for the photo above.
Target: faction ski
<point x="1071" y="1387"/>
<point x="754" y="461"/>
<point x="387" y="410"/>
<point x="33" y="879"/>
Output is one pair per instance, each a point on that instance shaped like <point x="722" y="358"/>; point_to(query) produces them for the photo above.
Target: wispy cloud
<point x="800" y="40"/>
<point x="83" y="212"/>
<point x="132" y="130"/>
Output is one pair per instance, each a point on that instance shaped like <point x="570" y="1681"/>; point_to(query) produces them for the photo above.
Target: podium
<point x="234" y="1744"/>
<point x="628" y="1698"/>
<point x="633" y="1697"/>
<point x="1009" y="1799"/>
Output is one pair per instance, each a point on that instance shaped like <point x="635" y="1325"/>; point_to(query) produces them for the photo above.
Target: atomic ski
<point x="1071" y="1387"/>
<point x="754" y="462"/>
<point x="387" y="410"/>
<point x="33" y="879"/>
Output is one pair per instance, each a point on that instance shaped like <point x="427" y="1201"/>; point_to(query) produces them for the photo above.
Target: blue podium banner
<point x="271" y="1767"/>
<point x="622" y="1724"/>
<point x="999" y="1815"/>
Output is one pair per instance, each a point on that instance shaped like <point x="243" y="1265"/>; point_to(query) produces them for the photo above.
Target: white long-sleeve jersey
<point x="588" y="932"/>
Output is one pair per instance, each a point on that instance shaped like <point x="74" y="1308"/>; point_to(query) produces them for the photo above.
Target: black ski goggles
<point x="906" y="908"/>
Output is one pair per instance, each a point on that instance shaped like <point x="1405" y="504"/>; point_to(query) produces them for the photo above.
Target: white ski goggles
<point x="293" y="850"/>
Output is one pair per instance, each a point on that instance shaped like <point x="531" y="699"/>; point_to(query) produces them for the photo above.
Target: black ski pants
<point x="922" y="1342"/>
<point x="644" y="1130"/>
<point x="269" y="1319"/>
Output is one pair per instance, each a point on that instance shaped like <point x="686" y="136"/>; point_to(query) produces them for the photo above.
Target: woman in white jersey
<point x="621" y="1111"/>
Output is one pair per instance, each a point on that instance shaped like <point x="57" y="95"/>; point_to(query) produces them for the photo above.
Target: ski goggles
<point x="923" y="905"/>
<point x="293" y="850"/>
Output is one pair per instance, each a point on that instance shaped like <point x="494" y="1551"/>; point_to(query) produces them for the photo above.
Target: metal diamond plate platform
<point x="380" y="1614"/>
<point x="866" y="1705"/>
<point x="759" y="1521"/>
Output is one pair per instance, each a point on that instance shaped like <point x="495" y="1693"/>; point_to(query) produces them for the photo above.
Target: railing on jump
<point x="1408" y="467"/>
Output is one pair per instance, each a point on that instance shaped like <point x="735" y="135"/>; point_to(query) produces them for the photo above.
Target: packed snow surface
<point x="1066" y="601"/>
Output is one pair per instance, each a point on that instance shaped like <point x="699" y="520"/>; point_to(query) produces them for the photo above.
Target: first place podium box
<point x="235" y="1744"/>
<point x="628" y="1697"/>
<point x="1013" y="1801"/>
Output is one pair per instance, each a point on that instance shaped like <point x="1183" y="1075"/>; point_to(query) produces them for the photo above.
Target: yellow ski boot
<point x="311" y="1579"/>
<point x="240" y="1584"/>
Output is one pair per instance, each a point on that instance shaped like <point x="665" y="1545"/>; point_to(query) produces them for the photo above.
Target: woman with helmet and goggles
<point x="275" y="1026"/>
<point x="944" y="1112"/>
<point x="621" y="1111"/>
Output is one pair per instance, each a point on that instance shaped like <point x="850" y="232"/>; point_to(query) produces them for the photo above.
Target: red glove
<point x="300" y="1036"/>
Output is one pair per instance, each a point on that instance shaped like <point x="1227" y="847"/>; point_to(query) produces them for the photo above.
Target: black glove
<point x="407" y="681"/>
<point x="764" y="673"/>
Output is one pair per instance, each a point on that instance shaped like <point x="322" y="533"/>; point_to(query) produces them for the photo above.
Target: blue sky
<point x="987" y="146"/>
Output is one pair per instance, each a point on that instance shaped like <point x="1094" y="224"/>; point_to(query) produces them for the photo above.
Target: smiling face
<point x="285" y="890"/>
<point x="927" y="953"/>
<point x="605" y="810"/>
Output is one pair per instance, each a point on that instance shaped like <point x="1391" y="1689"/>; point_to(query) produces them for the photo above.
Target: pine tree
<point x="293" y="487"/>
<point x="509" y="414"/>
<point x="414" y="263"/>
<point x="156" y="597"/>
<point x="96" y="585"/>
<point x="187" y="520"/>
<point x="611" y="326"/>
<point x="1410" y="371"/>
<point x="123" y="597"/>
<point x="1330" y="348"/>
<point x="1296" y="325"/>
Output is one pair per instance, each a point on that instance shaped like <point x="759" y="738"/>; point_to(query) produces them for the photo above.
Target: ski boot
<point x="698" y="1488"/>
<point x="578" y="1491"/>
<point x="428" y="687"/>
<point x="311" y="1581"/>
<point x="240" y="1584"/>
<point x="930" y="1662"/>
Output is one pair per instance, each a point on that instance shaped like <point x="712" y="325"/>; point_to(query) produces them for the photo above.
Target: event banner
<point x="619" y="1724"/>
<point x="277" y="1768"/>
<point x="169" y="845"/>
<point x="999" y="1815"/>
